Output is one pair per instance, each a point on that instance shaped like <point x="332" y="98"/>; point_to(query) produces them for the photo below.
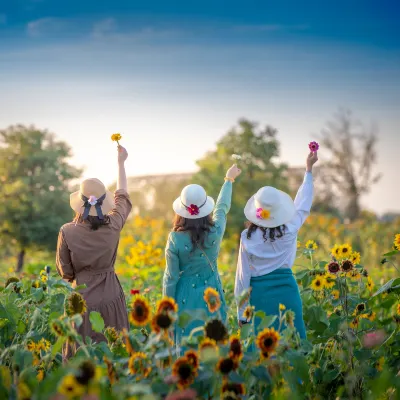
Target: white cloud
<point x="45" y="26"/>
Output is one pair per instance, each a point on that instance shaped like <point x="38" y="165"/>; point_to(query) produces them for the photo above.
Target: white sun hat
<point x="270" y="208"/>
<point x="92" y="199"/>
<point x="193" y="202"/>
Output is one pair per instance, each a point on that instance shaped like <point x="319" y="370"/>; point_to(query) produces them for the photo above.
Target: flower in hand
<point x="313" y="146"/>
<point x="116" y="137"/>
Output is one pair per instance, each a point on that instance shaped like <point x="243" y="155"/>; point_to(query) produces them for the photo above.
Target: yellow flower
<point x="379" y="364"/>
<point x="208" y="348"/>
<point x="311" y="245"/>
<point x="329" y="280"/>
<point x="355" y="275"/>
<point x="138" y="364"/>
<point x="23" y="391"/>
<point x="211" y="297"/>
<point x="184" y="371"/>
<point x="335" y="294"/>
<point x="318" y="284"/>
<point x="282" y="307"/>
<point x="30" y="345"/>
<point x="398" y="308"/>
<point x="75" y="304"/>
<point x="371" y="316"/>
<point x="359" y="308"/>
<point x="354" y="324"/>
<point x="370" y="283"/>
<point x="167" y="304"/>
<point x="43" y="278"/>
<point x="116" y="137"/>
<point x="248" y="312"/>
<point x="396" y="241"/>
<point x="267" y="340"/>
<point x="40" y="375"/>
<point x="70" y="387"/>
<point x="355" y="257"/>
<point x="336" y="251"/>
<point x="345" y="250"/>
<point x="265" y="214"/>
<point x="298" y="244"/>
<point x="140" y="315"/>
<point x="43" y="344"/>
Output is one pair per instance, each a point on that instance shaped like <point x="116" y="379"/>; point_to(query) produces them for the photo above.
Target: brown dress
<point x="88" y="257"/>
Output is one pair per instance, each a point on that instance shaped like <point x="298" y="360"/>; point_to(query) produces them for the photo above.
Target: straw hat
<point x="93" y="193"/>
<point x="193" y="203"/>
<point x="270" y="208"/>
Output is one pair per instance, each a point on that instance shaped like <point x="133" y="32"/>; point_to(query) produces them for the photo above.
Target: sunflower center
<point x="226" y="366"/>
<point x="235" y="347"/>
<point x="268" y="342"/>
<point x="184" y="371"/>
<point x="216" y="330"/>
<point x="139" y="310"/>
<point x="164" y="321"/>
<point x="345" y="250"/>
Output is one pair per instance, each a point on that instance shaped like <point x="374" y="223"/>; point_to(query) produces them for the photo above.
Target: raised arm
<point x="242" y="281"/>
<point x="122" y="157"/>
<point x="305" y="194"/>
<point x="223" y="204"/>
<point x="171" y="273"/>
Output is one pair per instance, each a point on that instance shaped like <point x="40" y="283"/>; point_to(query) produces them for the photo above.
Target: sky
<point x="173" y="77"/>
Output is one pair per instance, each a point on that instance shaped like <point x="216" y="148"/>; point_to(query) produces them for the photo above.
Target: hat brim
<point x="76" y="203"/>
<point x="281" y="216"/>
<point x="203" y="212"/>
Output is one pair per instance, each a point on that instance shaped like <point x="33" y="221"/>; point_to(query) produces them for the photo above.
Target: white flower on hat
<point x="92" y="200"/>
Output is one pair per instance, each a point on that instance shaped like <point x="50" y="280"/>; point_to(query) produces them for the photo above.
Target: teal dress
<point x="189" y="272"/>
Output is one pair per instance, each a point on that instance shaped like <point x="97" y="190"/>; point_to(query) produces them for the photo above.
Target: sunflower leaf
<point x="97" y="321"/>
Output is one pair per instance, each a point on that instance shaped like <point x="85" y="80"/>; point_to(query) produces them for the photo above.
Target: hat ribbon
<point x="92" y="201"/>
<point x="193" y="209"/>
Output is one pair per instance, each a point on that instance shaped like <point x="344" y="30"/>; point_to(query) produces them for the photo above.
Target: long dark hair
<point x="94" y="221"/>
<point x="197" y="228"/>
<point x="272" y="233"/>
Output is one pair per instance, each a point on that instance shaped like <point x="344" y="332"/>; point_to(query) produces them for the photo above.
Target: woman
<point x="193" y="247"/>
<point x="87" y="248"/>
<point x="268" y="249"/>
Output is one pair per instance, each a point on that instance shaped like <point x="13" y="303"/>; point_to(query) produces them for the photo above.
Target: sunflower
<point x="335" y="294"/>
<point x="140" y="314"/>
<point x="111" y="334"/>
<point x="345" y="250"/>
<point x="75" y="304"/>
<point x="216" y="330"/>
<point x="329" y="280"/>
<point x="70" y="387"/>
<point x="237" y="388"/>
<point x="138" y="364"/>
<point x="267" y="340"/>
<point x="127" y="341"/>
<point x="371" y="316"/>
<point x="333" y="267"/>
<point x="370" y="283"/>
<point x="184" y="371"/>
<point x="30" y="345"/>
<point x="347" y="266"/>
<point x="311" y="245"/>
<point x="355" y="275"/>
<point x="211" y="297"/>
<point x="235" y="347"/>
<point x="86" y="372"/>
<point x="208" y="344"/>
<point x="379" y="363"/>
<point x="193" y="357"/>
<point x="226" y="365"/>
<point x="359" y="308"/>
<point x="58" y="328"/>
<point x="248" y="312"/>
<point x="116" y="137"/>
<point x="336" y="251"/>
<point x="355" y="257"/>
<point x="43" y="344"/>
<point x="282" y="307"/>
<point x="110" y="370"/>
<point x="298" y="244"/>
<point x="318" y="284"/>
<point x="354" y="323"/>
<point x="161" y="322"/>
<point x="40" y="375"/>
<point x="36" y="284"/>
<point x="396" y="241"/>
<point x="167" y="304"/>
<point x="12" y="279"/>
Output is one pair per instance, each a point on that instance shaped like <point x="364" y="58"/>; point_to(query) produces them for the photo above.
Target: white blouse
<point x="258" y="257"/>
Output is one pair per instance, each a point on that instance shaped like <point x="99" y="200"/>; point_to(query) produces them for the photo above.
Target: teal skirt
<point x="278" y="287"/>
<point x="190" y="299"/>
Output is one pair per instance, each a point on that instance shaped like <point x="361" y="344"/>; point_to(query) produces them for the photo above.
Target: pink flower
<point x="313" y="146"/>
<point x="193" y="209"/>
<point x="373" y="339"/>
<point x="92" y="200"/>
<point x="187" y="394"/>
<point x="258" y="213"/>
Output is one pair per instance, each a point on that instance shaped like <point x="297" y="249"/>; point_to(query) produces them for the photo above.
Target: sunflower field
<point x="350" y="284"/>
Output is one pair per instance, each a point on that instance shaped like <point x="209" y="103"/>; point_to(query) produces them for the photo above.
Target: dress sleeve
<point x="63" y="259"/>
<point x="303" y="202"/>
<point x="242" y="281"/>
<point x="223" y="205"/>
<point x="171" y="273"/>
<point x="122" y="208"/>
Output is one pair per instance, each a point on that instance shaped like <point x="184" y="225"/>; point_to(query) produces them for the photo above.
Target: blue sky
<point x="174" y="75"/>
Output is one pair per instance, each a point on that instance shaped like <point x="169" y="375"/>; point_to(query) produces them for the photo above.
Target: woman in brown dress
<point x="87" y="249"/>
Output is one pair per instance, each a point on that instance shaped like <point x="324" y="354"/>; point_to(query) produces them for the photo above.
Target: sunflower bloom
<point x="248" y="312"/>
<point x="335" y="294"/>
<point x="226" y="365"/>
<point x="193" y="357"/>
<point x="282" y="307"/>
<point x="184" y="371"/>
<point x="138" y="365"/>
<point x="211" y="297"/>
<point x="318" y="284"/>
<point x="140" y="314"/>
<point x="238" y="388"/>
<point x="333" y="267"/>
<point x="235" y="347"/>
<point x="311" y="245"/>
<point x="355" y="257"/>
<point x="216" y="330"/>
<point x="111" y="334"/>
<point x="161" y="322"/>
<point x="167" y="304"/>
<point x="75" y="304"/>
<point x="398" y="309"/>
<point x="355" y="275"/>
<point x="267" y="340"/>
<point x="329" y="280"/>
<point x="116" y="137"/>
<point x="396" y="241"/>
<point x="346" y="250"/>
<point x="347" y="266"/>
<point x="354" y="323"/>
<point x="336" y="251"/>
<point x="379" y="364"/>
<point x="70" y="387"/>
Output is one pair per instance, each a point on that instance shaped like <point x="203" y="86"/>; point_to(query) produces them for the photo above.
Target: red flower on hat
<point x="193" y="209"/>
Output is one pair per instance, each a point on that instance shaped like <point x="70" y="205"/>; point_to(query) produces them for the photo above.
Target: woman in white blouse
<point x="268" y="249"/>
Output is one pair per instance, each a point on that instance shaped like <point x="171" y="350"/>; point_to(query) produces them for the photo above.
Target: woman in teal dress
<point x="192" y="250"/>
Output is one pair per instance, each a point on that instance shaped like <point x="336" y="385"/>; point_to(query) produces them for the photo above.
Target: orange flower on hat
<point x="263" y="214"/>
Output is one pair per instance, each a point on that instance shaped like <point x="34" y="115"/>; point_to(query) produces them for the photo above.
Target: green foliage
<point x="34" y="187"/>
<point x="259" y="149"/>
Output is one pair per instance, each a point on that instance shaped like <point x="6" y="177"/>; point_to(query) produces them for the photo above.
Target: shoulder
<point x="243" y="235"/>
<point x="67" y="227"/>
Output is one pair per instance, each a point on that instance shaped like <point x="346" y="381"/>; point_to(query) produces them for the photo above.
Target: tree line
<point x="36" y="176"/>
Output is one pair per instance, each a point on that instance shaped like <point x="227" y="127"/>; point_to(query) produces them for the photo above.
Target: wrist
<point x="227" y="178"/>
<point x="309" y="169"/>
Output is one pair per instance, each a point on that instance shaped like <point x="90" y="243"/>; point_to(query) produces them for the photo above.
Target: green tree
<point x="34" y="188"/>
<point x="259" y="149"/>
